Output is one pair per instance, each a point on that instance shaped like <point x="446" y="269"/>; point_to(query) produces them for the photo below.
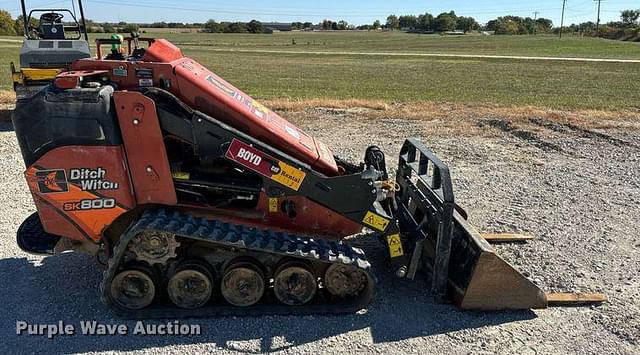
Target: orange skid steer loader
<point x="203" y="202"/>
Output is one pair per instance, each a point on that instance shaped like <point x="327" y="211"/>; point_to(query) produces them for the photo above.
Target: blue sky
<point x="354" y="11"/>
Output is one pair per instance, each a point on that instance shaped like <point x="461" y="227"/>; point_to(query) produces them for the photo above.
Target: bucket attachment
<point x="462" y="265"/>
<point x="480" y="279"/>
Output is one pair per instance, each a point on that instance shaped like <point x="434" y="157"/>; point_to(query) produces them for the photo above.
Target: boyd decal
<point x="265" y="165"/>
<point x="249" y="156"/>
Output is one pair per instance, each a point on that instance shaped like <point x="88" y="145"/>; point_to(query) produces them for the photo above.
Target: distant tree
<point x="108" y="28"/>
<point x="544" y="25"/>
<point x="467" y="24"/>
<point x="334" y="26"/>
<point x="307" y="25"/>
<point x="213" y="27"/>
<point x="128" y="28"/>
<point x="507" y="27"/>
<point x="93" y="27"/>
<point x="19" y="25"/>
<point x="255" y="26"/>
<point x="588" y="28"/>
<point x="515" y="25"/>
<point x="327" y="24"/>
<point x="376" y="25"/>
<point x="408" y="21"/>
<point x="7" y="25"/>
<point x="393" y="23"/>
<point x="425" y="22"/>
<point x="159" y="25"/>
<point x="491" y="25"/>
<point x="445" y="22"/>
<point x="630" y="17"/>
<point x="343" y="25"/>
<point x="527" y="26"/>
<point x="296" y="25"/>
<point x="236" y="27"/>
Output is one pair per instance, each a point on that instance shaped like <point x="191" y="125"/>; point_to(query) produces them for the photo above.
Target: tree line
<point x="628" y="26"/>
<point x="9" y="26"/>
<point x="252" y="26"/>
<point x="445" y="22"/>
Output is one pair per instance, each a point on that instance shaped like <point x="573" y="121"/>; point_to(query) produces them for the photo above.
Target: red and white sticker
<point x="265" y="165"/>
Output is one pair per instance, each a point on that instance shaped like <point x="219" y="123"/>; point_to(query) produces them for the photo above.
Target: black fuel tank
<point x="54" y="118"/>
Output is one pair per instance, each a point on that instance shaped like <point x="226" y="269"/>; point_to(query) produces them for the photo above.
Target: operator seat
<point x="51" y="26"/>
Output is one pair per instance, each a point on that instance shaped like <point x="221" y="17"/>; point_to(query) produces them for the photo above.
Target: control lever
<point x="137" y="51"/>
<point x="136" y="44"/>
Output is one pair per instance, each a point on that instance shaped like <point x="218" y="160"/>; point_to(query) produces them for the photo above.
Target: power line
<point x="40" y="5"/>
<point x="276" y="12"/>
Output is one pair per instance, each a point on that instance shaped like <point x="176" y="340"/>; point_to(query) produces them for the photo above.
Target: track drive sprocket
<point x="154" y="247"/>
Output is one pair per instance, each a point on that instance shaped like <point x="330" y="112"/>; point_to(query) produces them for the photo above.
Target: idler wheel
<point x="243" y="284"/>
<point x="345" y="280"/>
<point x="133" y="288"/>
<point x="191" y="285"/>
<point x="294" y="284"/>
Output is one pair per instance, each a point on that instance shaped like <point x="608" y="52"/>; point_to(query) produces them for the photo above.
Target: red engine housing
<point x="138" y="168"/>
<point x="163" y="65"/>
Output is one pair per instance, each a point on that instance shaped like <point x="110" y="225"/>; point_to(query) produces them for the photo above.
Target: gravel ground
<point x="576" y="190"/>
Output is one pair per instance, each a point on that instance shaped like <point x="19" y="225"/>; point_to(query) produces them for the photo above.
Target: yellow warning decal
<point x="395" y="245"/>
<point x="179" y="175"/>
<point x="273" y="204"/>
<point x="289" y="176"/>
<point x="375" y="221"/>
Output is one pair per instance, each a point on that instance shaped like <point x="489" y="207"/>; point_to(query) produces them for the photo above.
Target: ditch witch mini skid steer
<point x="203" y="202"/>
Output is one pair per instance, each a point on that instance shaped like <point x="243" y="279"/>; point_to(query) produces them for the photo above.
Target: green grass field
<point x="414" y="43"/>
<point x="566" y="85"/>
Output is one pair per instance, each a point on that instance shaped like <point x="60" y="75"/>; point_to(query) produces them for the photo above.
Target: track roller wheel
<point x="345" y="281"/>
<point x="243" y="283"/>
<point x="294" y="284"/>
<point x="133" y="288"/>
<point x="190" y="286"/>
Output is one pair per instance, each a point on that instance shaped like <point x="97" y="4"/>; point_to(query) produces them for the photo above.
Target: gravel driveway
<point x="577" y="190"/>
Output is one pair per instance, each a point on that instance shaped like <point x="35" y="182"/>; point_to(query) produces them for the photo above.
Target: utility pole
<point x="598" y="20"/>
<point x="564" y="2"/>
<point x="535" y="24"/>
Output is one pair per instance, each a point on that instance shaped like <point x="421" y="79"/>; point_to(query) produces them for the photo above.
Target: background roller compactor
<point x="203" y="202"/>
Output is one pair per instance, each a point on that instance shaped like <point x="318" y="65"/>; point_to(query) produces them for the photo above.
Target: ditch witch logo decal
<point x="91" y="179"/>
<point x="51" y="181"/>
<point x="265" y="165"/>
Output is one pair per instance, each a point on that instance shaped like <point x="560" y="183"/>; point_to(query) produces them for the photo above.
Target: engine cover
<point x="164" y="66"/>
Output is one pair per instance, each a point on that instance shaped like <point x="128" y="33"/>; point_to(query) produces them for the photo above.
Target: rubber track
<point x="239" y="237"/>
